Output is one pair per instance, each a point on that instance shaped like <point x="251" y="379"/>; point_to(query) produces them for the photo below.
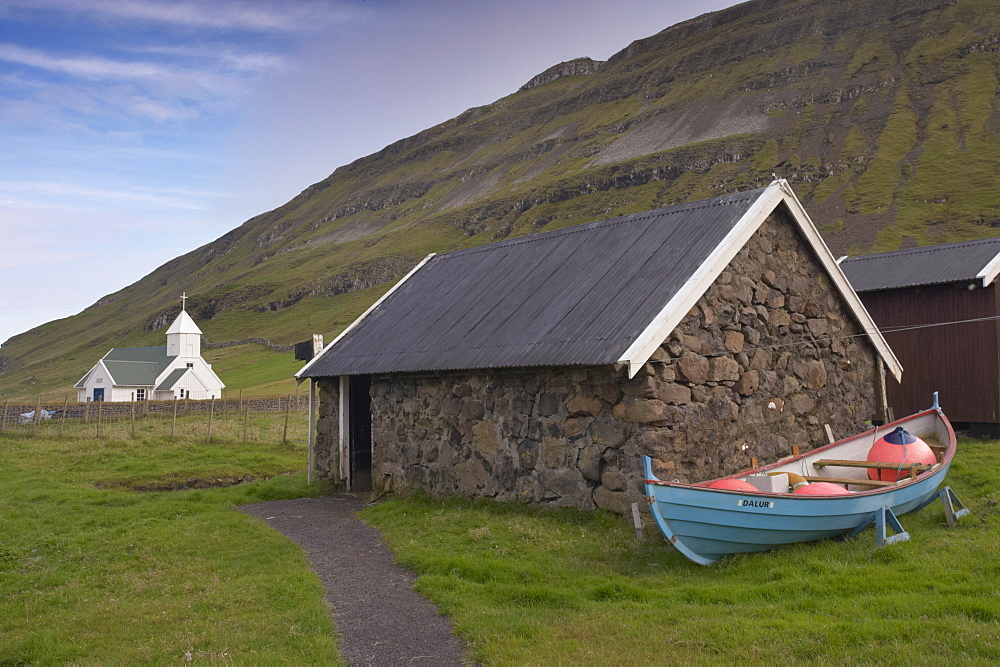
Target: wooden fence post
<point x="246" y="417"/>
<point x="62" y="418"/>
<point x="3" y="417"/>
<point x="99" y="403"/>
<point x="86" y="412"/>
<point x="241" y="400"/>
<point x="211" y="413"/>
<point x="132" y="419"/>
<point x="173" y="424"/>
<point x="288" y="405"/>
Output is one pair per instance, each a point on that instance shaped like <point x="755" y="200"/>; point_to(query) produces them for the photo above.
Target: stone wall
<point x="327" y="457"/>
<point x="768" y="355"/>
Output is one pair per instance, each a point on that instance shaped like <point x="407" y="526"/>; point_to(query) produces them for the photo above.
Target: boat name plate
<point x="745" y="502"/>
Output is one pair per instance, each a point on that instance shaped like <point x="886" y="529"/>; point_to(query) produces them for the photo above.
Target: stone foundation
<point x="768" y="356"/>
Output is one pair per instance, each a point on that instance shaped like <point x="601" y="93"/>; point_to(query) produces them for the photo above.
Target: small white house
<point x="176" y="370"/>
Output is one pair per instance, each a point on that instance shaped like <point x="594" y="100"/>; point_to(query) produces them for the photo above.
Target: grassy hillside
<point x="883" y="115"/>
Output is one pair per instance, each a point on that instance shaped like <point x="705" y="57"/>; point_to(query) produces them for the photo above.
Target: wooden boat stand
<point x="885" y="520"/>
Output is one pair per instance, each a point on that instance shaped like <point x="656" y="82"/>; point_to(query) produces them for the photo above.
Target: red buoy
<point x="821" y="489"/>
<point x="900" y="447"/>
<point x="733" y="485"/>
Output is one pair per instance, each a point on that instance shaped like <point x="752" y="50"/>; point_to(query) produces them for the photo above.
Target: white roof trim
<point x="365" y="314"/>
<point x="990" y="271"/>
<point x="678" y="307"/>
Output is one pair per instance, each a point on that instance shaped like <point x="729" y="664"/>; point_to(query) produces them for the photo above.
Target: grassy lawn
<point x="91" y="571"/>
<point x="526" y="585"/>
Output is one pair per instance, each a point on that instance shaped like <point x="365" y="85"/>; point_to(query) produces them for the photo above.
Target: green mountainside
<point x="883" y="115"/>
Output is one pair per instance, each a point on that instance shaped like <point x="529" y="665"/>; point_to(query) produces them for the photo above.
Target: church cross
<point x="184" y="297"/>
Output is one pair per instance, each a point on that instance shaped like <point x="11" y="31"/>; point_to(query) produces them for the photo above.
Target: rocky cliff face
<point x="575" y="67"/>
<point x="883" y="115"/>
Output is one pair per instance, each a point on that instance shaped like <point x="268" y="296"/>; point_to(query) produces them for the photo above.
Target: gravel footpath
<point x="381" y="619"/>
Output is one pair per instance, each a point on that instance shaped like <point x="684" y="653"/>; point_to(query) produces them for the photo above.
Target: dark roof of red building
<point x="965" y="261"/>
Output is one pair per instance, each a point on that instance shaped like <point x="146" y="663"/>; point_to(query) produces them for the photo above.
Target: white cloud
<point x="40" y="195"/>
<point x="91" y="67"/>
<point x="246" y="16"/>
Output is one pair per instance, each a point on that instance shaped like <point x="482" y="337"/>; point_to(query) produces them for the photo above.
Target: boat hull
<point x="705" y="523"/>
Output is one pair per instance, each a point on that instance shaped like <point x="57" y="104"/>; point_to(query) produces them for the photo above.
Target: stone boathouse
<point x="540" y="368"/>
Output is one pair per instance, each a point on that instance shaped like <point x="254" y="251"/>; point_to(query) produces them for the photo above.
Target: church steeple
<point x="183" y="336"/>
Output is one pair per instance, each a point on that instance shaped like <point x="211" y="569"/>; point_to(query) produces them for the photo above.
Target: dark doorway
<point x="99" y="394"/>
<point x="360" y="420"/>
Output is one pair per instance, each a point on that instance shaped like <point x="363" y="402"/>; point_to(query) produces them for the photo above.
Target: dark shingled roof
<point x="580" y="295"/>
<point x="932" y="265"/>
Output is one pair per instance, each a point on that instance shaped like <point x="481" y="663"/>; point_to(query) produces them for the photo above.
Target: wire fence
<point x="283" y="419"/>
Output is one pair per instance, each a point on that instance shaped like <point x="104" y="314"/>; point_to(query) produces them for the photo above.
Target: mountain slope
<point x="884" y="116"/>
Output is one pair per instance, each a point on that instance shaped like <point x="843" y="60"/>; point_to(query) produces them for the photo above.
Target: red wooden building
<point x="939" y="309"/>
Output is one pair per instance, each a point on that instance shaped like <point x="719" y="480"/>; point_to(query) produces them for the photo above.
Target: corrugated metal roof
<point x="171" y="380"/>
<point x="83" y="381"/>
<point x="947" y="263"/>
<point x="136" y="366"/>
<point x="153" y="354"/>
<point x="574" y="296"/>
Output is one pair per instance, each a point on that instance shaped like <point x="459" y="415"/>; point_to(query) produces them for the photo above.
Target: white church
<point x="154" y="373"/>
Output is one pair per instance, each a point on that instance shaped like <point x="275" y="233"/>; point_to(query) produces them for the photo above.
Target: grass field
<point x="528" y="586"/>
<point x="93" y="571"/>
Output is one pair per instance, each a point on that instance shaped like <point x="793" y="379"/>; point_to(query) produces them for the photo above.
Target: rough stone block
<point x="589" y="463"/>
<point x="802" y="404"/>
<point x="566" y="488"/>
<point x="721" y="408"/>
<point x="723" y="369"/>
<point x="555" y="452"/>
<point x="613" y="501"/>
<point x="674" y="393"/>
<point x="582" y="404"/>
<point x="818" y="327"/>
<point x="485" y="438"/>
<point x="607" y="433"/>
<point x="548" y="404"/>
<point x="640" y="386"/>
<point x="693" y="343"/>
<point x="527" y="452"/>
<point x="470" y="475"/>
<point x="816" y="376"/>
<point x="647" y="411"/>
<point x="734" y="341"/>
<point x="613" y="479"/>
<point x="748" y="383"/>
<point x="573" y="427"/>
<point x="693" y="370"/>
<point x="609" y="391"/>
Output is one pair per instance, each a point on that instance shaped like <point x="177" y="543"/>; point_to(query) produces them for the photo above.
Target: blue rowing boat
<point x="706" y="523"/>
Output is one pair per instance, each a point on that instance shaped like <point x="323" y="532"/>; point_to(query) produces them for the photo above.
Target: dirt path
<point x="380" y="618"/>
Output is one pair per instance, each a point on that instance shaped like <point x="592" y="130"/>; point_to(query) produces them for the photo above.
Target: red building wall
<point x="960" y="361"/>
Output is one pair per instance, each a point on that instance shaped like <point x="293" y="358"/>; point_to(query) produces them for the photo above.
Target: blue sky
<point x="133" y="131"/>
